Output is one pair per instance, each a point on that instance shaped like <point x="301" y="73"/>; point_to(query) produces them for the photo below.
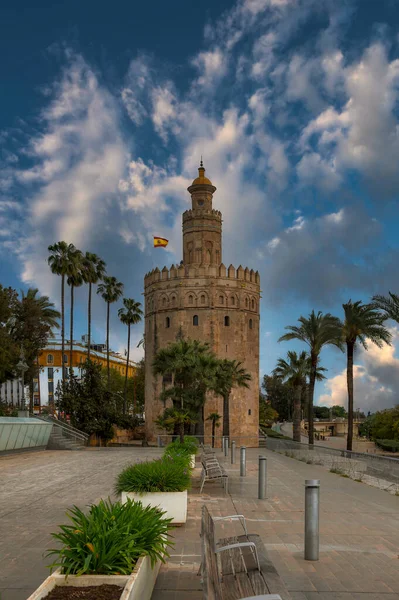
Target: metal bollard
<point x="159" y="441"/>
<point x="223" y="443"/>
<point x="312" y="504"/>
<point x="243" y="461"/>
<point x="226" y="445"/>
<point x="233" y="452"/>
<point x="262" y="477"/>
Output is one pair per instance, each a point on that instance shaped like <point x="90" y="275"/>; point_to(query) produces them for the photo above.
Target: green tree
<point x="316" y="331"/>
<point x="61" y="261"/>
<point x="294" y="371"/>
<point x="279" y="394"/>
<point x="93" y="271"/>
<point x="214" y="418"/>
<point x="110" y="290"/>
<point x="188" y="364"/>
<point x="35" y="318"/>
<point x="8" y="347"/>
<point x="385" y="424"/>
<point x="230" y="374"/>
<point x="338" y="411"/>
<point x="86" y="399"/>
<point x="362" y="322"/>
<point x="74" y="280"/>
<point x="267" y="414"/>
<point x="129" y="315"/>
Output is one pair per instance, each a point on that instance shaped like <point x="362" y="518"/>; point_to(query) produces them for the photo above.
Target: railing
<point x="354" y="464"/>
<point x="240" y="440"/>
<point x="67" y="431"/>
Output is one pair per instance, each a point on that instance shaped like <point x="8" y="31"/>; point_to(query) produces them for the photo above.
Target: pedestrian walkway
<point x="359" y="542"/>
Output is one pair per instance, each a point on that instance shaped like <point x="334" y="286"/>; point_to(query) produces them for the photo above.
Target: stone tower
<point x="203" y="300"/>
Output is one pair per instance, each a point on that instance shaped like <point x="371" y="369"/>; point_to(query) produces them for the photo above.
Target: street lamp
<point x="22" y="366"/>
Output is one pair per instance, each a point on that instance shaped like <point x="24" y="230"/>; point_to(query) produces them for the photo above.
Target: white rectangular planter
<point x="137" y="586"/>
<point x="173" y="503"/>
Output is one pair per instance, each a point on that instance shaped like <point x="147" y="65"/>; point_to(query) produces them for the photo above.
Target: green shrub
<point x="388" y="445"/>
<point x="110" y="538"/>
<point x="275" y="434"/>
<point x="163" y="475"/>
<point x="175" y="453"/>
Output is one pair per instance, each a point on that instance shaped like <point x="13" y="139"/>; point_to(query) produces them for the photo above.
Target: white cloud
<point x="78" y="159"/>
<point x="375" y="381"/>
<point x="212" y="65"/>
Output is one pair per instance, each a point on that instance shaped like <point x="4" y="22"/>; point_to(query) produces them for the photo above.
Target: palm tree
<point x="231" y="374"/>
<point x="93" y="271"/>
<point x="294" y="371"/>
<point x="177" y="419"/>
<point x="110" y="291"/>
<point x="214" y="418"/>
<point x="191" y="366"/>
<point x="45" y="311"/>
<point x="362" y="322"/>
<point x="74" y="280"/>
<point x="316" y="331"/>
<point x="34" y="321"/>
<point x="390" y="305"/>
<point x="61" y="262"/>
<point x="129" y="315"/>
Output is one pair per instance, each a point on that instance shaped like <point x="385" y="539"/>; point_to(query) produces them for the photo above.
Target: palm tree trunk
<point x="349" y="379"/>
<point x="62" y="328"/>
<point x="127" y="366"/>
<point x="181" y="432"/>
<point x="213" y="432"/>
<point x="108" y="373"/>
<point x="297" y="413"/>
<point x="134" y="394"/>
<point x="89" y="323"/>
<point x="226" y="415"/>
<point x="71" y="334"/>
<point x="312" y="379"/>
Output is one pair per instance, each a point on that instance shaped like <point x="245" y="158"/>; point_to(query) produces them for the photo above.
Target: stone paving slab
<point x="359" y="541"/>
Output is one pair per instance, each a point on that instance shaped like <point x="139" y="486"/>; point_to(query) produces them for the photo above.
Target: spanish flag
<point x="160" y="242"/>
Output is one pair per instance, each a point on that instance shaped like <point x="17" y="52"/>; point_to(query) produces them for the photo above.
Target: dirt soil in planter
<point x="93" y="592"/>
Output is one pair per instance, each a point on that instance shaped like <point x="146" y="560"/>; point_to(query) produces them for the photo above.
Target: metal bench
<point x="237" y="568"/>
<point x="213" y="471"/>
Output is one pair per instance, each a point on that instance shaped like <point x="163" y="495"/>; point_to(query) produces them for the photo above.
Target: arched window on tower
<point x="173" y="299"/>
<point x="253" y="304"/>
<point x="221" y="300"/>
<point x="203" y="299"/>
<point x="227" y="321"/>
<point x="167" y="322"/>
<point x="250" y="323"/>
<point x="195" y="320"/>
<point x="163" y="301"/>
<point x="232" y="301"/>
<point x="246" y="302"/>
<point x="191" y="299"/>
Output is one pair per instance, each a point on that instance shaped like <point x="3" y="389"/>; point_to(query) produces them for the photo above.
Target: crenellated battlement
<point x="193" y="272"/>
<point x="202" y="213"/>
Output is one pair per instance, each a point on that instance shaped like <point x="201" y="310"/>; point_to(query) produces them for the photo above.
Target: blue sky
<point x="106" y="109"/>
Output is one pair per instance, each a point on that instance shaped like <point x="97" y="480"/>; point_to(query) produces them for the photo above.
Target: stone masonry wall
<point x="173" y="297"/>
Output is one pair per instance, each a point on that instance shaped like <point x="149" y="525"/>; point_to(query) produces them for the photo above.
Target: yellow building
<point x="50" y="366"/>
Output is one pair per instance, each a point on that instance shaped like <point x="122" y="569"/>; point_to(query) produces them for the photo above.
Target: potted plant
<point x="187" y="448"/>
<point x="163" y="483"/>
<point x="112" y="553"/>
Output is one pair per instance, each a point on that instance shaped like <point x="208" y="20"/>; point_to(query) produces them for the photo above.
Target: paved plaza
<point x="359" y="552"/>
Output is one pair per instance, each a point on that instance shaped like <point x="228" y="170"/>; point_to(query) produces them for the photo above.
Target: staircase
<point x="262" y="439"/>
<point x="64" y="436"/>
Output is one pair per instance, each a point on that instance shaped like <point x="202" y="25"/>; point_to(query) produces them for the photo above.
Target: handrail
<point x="66" y="429"/>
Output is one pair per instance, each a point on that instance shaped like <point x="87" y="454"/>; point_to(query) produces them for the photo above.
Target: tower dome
<point x="201" y="180"/>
